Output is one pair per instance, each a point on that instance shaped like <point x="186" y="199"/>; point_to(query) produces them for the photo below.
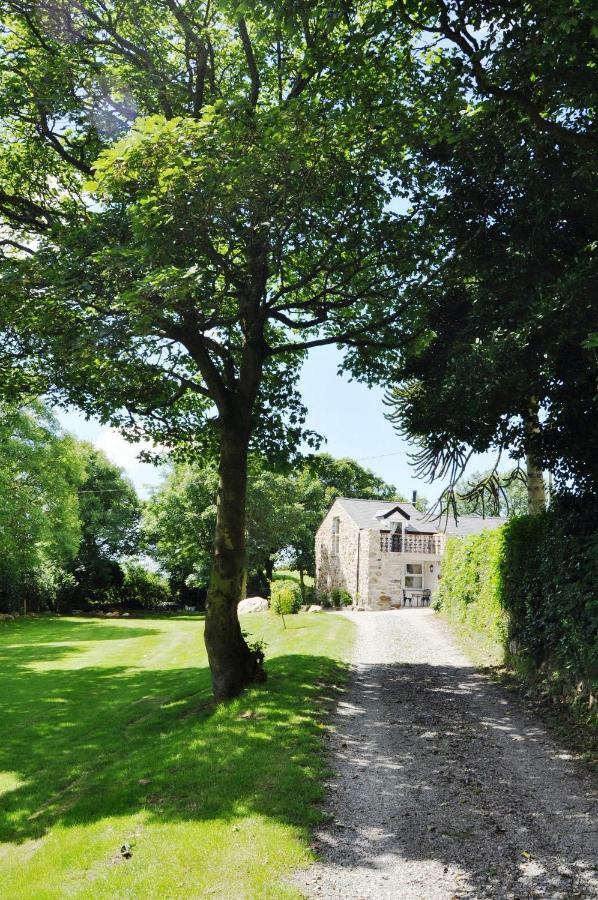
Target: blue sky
<point x="348" y="414"/>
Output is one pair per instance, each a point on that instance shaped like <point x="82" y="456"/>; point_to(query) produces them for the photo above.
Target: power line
<point x="381" y="455"/>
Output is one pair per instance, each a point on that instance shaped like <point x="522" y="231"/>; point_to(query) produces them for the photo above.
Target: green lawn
<point x="109" y="737"/>
<point x="292" y="575"/>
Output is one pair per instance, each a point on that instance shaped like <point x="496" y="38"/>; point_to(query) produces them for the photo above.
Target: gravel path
<point x="445" y="786"/>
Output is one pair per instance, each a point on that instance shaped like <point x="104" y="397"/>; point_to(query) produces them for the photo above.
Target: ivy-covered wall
<point x="529" y="592"/>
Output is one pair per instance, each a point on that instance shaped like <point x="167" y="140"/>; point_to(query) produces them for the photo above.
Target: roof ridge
<point x="369" y="500"/>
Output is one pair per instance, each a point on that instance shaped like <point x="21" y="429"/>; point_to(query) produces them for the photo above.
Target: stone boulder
<point x="252" y="605"/>
<point x="315" y="608"/>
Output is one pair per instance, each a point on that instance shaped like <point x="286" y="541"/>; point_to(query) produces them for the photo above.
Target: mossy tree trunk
<point x="233" y="665"/>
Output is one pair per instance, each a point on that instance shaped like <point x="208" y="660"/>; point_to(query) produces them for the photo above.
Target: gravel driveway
<point x="445" y="786"/>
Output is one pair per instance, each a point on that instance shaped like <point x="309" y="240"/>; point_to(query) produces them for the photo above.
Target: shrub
<point x="285" y="597"/>
<point x="549" y="572"/>
<point x="324" y="600"/>
<point x="310" y="596"/>
<point x="141" y="589"/>
<point x="339" y="597"/>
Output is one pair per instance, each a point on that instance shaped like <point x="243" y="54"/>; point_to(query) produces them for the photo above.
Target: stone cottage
<point x="386" y="554"/>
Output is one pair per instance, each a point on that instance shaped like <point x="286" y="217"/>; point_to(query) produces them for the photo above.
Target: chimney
<point x="414" y="498"/>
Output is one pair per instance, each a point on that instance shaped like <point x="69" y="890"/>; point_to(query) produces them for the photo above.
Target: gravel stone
<point x="445" y="785"/>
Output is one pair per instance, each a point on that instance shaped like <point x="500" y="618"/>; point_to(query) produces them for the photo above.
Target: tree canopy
<point x="206" y="198"/>
<point x="109" y="512"/>
<point x="503" y="187"/>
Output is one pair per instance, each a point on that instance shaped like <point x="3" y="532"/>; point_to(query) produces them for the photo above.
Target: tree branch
<point x="52" y="139"/>
<point x="467" y="45"/>
<point x="251" y="63"/>
<point x="22" y="211"/>
<point x="10" y="243"/>
<point x="342" y="337"/>
<point x="486" y="86"/>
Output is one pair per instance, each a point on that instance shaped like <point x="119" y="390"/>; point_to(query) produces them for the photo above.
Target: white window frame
<point x="414" y="580"/>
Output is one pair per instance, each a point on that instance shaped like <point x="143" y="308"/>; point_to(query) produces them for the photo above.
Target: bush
<point x="141" y="589"/>
<point x="285" y="597"/>
<point x="339" y="597"/>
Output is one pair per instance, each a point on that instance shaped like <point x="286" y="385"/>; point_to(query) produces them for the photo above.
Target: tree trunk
<point x="233" y="665"/>
<point x="269" y="569"/>
<point x="536" y="494"/>
<point x="265" y="584"/>
<point x="302" y="584"/>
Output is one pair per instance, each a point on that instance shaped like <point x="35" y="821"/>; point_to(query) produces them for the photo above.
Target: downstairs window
<point x="414" y="575"/>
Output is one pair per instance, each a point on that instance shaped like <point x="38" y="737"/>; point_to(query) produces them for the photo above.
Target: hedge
<point x="528" y="592"/>
<point x="470" y="593"/>
<point x="549" y="572"/>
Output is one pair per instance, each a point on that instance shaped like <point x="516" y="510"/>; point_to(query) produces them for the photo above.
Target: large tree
<point x="193" y="198"/>
<point x="504" y="192"/>
<point x="346" y="477"/>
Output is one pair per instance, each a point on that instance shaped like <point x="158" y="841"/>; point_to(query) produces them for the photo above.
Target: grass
<point x="292" y="575"/>
<point x="478" y="643"/>
<point x="110" y="738"/>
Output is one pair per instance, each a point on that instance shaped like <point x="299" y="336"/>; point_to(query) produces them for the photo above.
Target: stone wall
<point x="383" y="573"/>
<point x="337" y="571"/>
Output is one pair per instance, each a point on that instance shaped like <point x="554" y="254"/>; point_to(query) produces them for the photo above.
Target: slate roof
<point x="363" y="513"/>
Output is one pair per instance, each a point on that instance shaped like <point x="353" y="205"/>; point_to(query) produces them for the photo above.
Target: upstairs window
<point x="414" y="575"/>
<point x="336" y="530"/>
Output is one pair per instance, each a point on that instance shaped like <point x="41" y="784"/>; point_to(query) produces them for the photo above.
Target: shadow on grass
<point x="83" y="744"/>
<point x="56" y="629"/>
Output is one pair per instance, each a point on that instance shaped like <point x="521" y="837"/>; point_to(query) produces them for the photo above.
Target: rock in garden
<point x="252" y="605"/>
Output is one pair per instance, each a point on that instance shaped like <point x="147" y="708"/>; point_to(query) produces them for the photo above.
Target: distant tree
<point x="179" y="521"/>
<point x="40" y="471"/>
<point x="109" y="512"/>
<point x="347" y="478"/>
<point x="510" y="489"/>
<point x="284" y="511"/>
